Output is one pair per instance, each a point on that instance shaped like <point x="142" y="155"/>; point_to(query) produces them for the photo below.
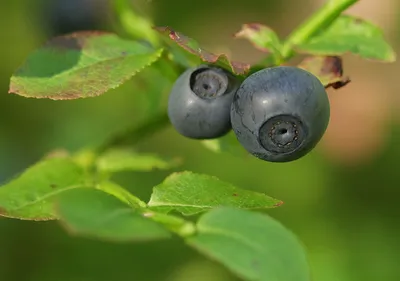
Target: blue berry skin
<point x="279" y="114"/>
<point x="200" y="102"/>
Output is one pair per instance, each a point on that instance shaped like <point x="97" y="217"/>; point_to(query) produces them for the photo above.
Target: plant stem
<point x="137" y="26"/>
<point x="136" y="134"/>
<point x="178" y="225"/>
<point x="319" y="20"/>
<point x="154" y="123"/>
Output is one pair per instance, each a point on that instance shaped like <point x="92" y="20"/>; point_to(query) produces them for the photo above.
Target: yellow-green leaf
<point x="348" y="34"/>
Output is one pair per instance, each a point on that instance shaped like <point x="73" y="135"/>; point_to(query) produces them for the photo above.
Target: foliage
<point x="77" y="189"/>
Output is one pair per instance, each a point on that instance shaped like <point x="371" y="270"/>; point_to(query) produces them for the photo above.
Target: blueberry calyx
<point x="282" y="134"/>
<point x="200" y="101"/>
<point x="209" y="83"/>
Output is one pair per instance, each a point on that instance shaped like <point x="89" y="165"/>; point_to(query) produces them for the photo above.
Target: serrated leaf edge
<point x="155" y="56"/>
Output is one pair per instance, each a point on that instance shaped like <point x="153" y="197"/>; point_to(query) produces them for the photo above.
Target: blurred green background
<point x="341" y="200"/>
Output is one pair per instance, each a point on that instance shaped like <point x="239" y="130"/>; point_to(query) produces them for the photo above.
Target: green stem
<point x="322" y="18"/>
<point x="136" y="134"/>
<point x="154" y="123"/>
<point x="137" y="26"/>
<point x="175" y="224"/>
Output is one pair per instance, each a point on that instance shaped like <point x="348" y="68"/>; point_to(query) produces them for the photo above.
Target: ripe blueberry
<point x="279" y="114"/>
<point x="200" y="101"/>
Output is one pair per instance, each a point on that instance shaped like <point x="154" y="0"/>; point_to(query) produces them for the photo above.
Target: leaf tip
<point x="250" y="29"/>
<point x="3" y="212"/>
<point x="57" y="153"/>
<point x="328" y="69"/>
<point x="392" y="57"/>
<point x="11" y="88"/>
<point x="338" y="84"/>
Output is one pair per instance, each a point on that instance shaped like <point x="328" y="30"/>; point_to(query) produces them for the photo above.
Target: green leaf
<point x="175" y="224"/>
<point x="122" y="194"/>
<point x="226" y="144"/>
<point x="29" y="196"/>
<point x="80" y="65"/>
<point x="252" y="245"/>
<point x="126" y="159"/>
<point x="190" y="193"/>
<point x="262" y="37"/>
<point x="329" y="70"/>
<point x="193" y="47"/>
<point x="350" y="34"/>
<point x="96" y="214"/>
<point x="132" y="23"/>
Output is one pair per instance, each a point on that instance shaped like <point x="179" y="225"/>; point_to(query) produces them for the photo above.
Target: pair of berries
<point x="278" y="114"/>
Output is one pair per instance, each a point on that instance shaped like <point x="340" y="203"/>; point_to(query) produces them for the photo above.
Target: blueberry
<point x="200" y="101"/>
<point x="279" y="114"/>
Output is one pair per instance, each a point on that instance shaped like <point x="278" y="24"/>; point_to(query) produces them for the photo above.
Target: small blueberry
<point x="200" y="101"/>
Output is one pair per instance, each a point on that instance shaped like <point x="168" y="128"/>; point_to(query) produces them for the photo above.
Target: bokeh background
<point x="342" y="200"/>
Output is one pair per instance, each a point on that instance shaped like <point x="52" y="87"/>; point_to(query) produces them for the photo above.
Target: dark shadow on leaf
<point x="56" y="56"/>
<point x="59" y="54"/>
